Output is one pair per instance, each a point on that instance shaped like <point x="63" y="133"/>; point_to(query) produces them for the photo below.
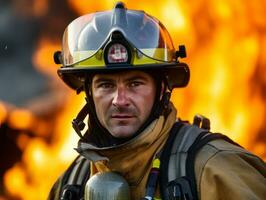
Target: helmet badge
<point x="117" y="53"/>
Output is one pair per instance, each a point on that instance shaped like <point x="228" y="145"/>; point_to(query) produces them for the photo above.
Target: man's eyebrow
<point x="103" y="79"/>
<point x="135" y="77"/>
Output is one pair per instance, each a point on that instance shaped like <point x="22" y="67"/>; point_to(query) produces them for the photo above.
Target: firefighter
<point x="125" y="62"/>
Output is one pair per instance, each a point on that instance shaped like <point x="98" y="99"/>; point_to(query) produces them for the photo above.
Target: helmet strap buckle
<point x="78" y="123"/>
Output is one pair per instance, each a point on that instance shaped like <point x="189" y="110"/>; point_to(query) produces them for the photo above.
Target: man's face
<point x="123" y="101"/>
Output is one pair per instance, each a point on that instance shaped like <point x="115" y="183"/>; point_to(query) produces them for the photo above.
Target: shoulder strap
<point x="186" y="136"/>
<point x="74" y="179"/>
<point x="178" y="174"/>
<point x="173" y="159"/>
<point x="166" y="153"/>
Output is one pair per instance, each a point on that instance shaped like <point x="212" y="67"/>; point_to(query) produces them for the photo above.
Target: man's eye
<point x="135" y="84"/>
<point x="105" y="85"/>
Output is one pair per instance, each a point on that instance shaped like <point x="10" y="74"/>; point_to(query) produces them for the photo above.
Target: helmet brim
<point x="177" y="74"/>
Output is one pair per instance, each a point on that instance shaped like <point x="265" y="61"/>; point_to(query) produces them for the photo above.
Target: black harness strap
<point x="165" y="156"/>
<point x="74" y="180"/>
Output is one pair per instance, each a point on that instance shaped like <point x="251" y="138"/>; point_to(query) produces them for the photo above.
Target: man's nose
<point x="120" y="97"/>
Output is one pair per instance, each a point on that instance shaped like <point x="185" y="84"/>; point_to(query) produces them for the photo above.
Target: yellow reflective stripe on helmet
<point x="145" y="56"/>
<point x="159" y="53"/>
<point x="87" y="59"/>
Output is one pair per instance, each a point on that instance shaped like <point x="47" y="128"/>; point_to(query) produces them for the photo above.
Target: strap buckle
<point x="71" y="192"/>
<point x="179" y="189"/>
<point x="202" y="122"/>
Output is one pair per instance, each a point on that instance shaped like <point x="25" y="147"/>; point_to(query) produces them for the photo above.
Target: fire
<point x="46" y="49"/>
<point x="225" y="42"/>
<point x="21" y="114"/>
<point x="3" y="113"/>
<point x="41" y="162"/>
<point x="28" y="179"/>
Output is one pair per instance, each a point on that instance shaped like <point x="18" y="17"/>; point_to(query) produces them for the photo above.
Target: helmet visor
<point x="87" y="34"/>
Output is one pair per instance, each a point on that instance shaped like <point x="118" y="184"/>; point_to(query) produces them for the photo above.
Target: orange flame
<point x="225" y="41"/>
<point x="28" y="179"/>
<point x="21" y="114"/>
<point x="3" y="113"/>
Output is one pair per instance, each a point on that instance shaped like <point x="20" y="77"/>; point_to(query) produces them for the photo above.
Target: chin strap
<point x="162" y="106"/>
<point x="165" y="100"/>
<point x="78" y="123"/>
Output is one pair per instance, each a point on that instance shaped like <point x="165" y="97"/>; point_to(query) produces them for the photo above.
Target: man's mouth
<point x="122" y="116"/>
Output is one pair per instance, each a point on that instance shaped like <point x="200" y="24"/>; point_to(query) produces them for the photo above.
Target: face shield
<point x="87" y="35"/>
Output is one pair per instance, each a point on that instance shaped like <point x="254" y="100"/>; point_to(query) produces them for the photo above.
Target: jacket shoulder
<point x="222" y="166"/>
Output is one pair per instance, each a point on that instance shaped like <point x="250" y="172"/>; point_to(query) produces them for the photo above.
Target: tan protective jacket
<point x="223" y="171"/>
